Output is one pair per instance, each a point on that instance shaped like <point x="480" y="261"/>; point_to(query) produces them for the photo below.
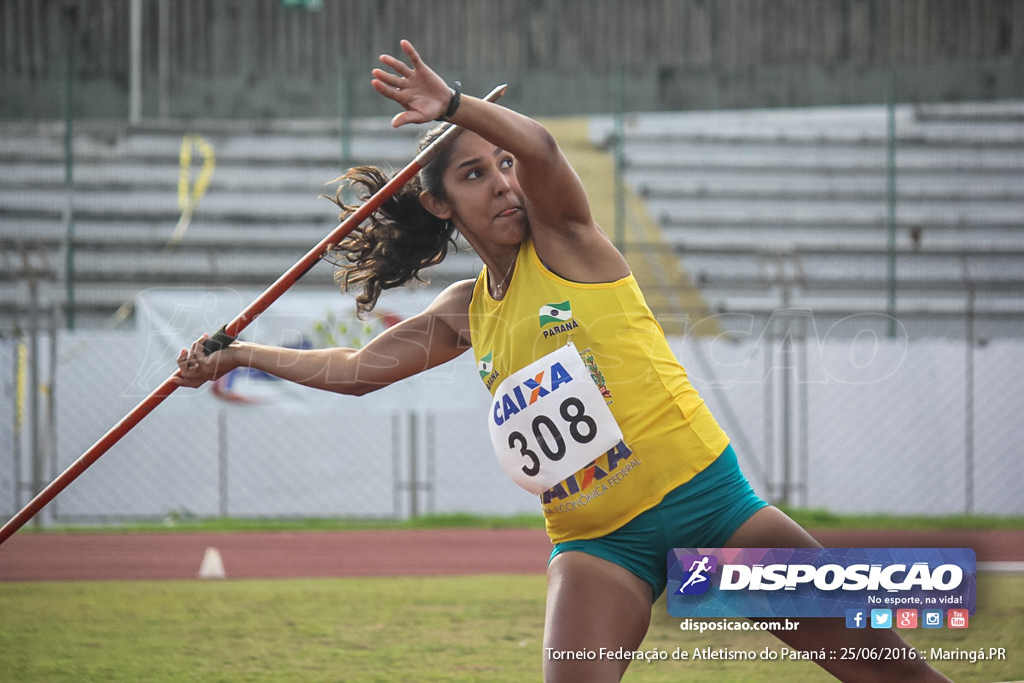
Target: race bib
<point x="549" y="420"/>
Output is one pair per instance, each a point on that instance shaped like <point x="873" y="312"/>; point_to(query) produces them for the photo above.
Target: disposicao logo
<point x="818" y="582"/>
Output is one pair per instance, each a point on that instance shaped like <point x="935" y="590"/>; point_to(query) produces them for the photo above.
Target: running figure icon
<point x="697" y="574"/>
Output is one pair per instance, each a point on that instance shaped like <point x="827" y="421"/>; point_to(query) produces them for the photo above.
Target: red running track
<point x="58" y="556"/>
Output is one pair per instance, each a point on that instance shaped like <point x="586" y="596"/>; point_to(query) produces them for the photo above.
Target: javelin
<point x="230" y="331"/>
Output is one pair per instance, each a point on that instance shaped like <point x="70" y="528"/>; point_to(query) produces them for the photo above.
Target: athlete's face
<point x="484" y="199"/>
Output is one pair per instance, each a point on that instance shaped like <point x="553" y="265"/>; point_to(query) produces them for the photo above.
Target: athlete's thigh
<point x="592" y="604"/>
<point x="771" y="528"/>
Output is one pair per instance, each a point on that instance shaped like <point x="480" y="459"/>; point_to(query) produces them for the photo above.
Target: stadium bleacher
<point x="780" y="209"/>
<point x="765" y="209"/>
<point x="261" y="212"/>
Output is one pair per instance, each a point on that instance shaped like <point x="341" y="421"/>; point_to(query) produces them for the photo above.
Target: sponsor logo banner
<point x="818" y="582"/>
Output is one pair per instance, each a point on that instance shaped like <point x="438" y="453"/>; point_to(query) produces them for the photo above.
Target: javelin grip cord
<point x="231" y="330"/>
<point x="218" y="342"/>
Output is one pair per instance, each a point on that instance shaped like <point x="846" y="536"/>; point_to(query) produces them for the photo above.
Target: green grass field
<point x="480" y="628"/>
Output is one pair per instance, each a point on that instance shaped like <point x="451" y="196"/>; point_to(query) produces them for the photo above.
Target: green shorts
<point x="702" y="513"/>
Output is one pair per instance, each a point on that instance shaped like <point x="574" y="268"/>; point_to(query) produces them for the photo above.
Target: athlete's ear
<point x="439" y="207"/>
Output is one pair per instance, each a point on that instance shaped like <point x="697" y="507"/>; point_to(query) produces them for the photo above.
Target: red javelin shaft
<point x="233" y="328"/>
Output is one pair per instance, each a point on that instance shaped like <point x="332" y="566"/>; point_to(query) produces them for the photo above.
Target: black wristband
<point x="453" y="103"/>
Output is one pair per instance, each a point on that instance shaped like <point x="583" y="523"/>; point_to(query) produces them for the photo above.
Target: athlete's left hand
<point x="422" y="93"/>
<point x="195" y="367"/>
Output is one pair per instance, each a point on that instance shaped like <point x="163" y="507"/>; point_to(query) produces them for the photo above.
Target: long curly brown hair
<point x="401" y="238"/>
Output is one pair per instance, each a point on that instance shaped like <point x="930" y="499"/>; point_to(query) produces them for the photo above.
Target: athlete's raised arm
<point x="561" y="223"/>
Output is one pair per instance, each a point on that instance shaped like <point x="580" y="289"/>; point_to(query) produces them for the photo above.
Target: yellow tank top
<point x="668" y="432"/>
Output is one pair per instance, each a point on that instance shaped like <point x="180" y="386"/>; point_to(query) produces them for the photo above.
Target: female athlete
<point x="553" y="291"/>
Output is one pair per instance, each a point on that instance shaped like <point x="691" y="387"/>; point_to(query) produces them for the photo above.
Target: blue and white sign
<point x="817" y="582"/>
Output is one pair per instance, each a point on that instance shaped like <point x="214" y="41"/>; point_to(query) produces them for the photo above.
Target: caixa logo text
<point x="527" y="393"/>
<point x="831" y="577"/>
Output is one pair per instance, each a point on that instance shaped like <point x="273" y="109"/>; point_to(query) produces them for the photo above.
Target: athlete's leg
<point x="770" y="528"/>
<point x="592" y="603"/>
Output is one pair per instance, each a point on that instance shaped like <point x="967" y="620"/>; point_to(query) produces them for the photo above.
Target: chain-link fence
<point x="866" y="425"/>
<point x="849" y="280"/>
<point x="249" y="445"/>
<point x="850" y="425"/>
<point x="843" y="284"/>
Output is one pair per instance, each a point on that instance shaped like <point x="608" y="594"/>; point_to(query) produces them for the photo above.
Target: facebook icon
<point x="856" y="618"/>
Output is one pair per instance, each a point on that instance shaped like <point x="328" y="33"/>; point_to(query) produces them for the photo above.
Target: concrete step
<point x="808" y="186"/>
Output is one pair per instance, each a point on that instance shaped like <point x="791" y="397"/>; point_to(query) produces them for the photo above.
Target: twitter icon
<point x="881" y="618"/>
